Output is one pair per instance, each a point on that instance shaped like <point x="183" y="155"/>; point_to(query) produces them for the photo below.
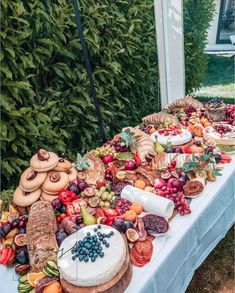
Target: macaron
<point x="24" y="199"/>
<point x="55" y="181"/>
<point x="63" y="165"/>
<point x="47" y="197"/>
<point x="44" y="161"/>
<point x="72" y="173"/>
<point x="31" y="180"/>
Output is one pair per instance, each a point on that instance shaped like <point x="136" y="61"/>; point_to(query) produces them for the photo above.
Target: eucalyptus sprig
<point x="81" y="163"/>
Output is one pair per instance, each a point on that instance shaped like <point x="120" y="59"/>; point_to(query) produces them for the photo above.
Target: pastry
<point x="47" y="197"/>
<point x="141" y="143"/>
<point x="216" y="110"/>
<point x="24" y="199"/>
<point x="55" y="181"/>
<point x="40" y="235"/>
<point x="63" y="165"/>
<point x="222" y="134"/>
<point x="44" y="161"/>
<point x="103" y="269"/>
<point x="173" y="135"/>
<point x="72" y="173"/>
<point x="31" y="180"/>
<point x="160" y="118"/>
<point x="175" y="106"/>
<point x="96" y="170"/>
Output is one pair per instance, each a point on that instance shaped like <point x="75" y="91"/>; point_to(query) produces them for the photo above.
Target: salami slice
<point x="155" y="224"/>
<point x="194" y="187"/>
<point x="141" y="253"/>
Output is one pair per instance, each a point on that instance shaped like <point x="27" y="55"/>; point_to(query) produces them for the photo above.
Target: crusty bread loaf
<point x="40" y="235"/>
<point x="182" y="103"/>
<point x="160" y="118"/>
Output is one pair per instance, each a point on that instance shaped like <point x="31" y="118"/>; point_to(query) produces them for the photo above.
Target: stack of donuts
<point x="45" y="177"/>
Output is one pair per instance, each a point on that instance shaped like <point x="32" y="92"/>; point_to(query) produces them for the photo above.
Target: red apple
<point x="158" y="183"/>
<point x="107" y="159"/>
<point x="175" y="183"/>
<point x="130" y="165"/>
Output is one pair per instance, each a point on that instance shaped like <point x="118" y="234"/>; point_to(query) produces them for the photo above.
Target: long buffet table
<point x="189" y="241"/>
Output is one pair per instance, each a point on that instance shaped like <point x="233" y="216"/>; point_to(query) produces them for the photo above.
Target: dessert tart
<point x="86" y="273"/>
<point x="221" y="134"/>
<point x="173" y="135"/>
<point x="63" y="165"/>
<point x="55" y="181"/>
<point x="216" y="110"/>
<point x="24" y="199"/>
<point x="31" y="180"/>
<point x="44" y="161"/>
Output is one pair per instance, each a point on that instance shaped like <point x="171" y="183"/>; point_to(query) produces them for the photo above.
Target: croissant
<point x="141" y="143"/>
<point x="182" y="103"/>
<point x="160" y="118"/>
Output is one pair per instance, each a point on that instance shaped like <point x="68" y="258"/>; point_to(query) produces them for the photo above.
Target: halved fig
<point x="81" y="175"/>
<point x="31" y="175"/>
<point x="132" y="235"/>
<point x="101" y="220"/>
<point x="89" y="191"/>
<point x="55" y="177"/>
<point x="94" y="201"/>
<point x="165" y="175"/>
<point x="43" y="155"/>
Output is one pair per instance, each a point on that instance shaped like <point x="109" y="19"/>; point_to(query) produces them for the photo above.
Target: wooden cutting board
<point x="117" y="284"/>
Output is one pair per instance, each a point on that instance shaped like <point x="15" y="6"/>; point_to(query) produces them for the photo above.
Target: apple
<point x="107" y="159"/>
<point x="130" y="165"/>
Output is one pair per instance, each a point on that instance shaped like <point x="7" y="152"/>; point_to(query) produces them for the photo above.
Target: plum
<point x="56" y="203"/>
<point x="73" y="187"/>
<point x="60" y="236"/>
<point x="22" y="255"/>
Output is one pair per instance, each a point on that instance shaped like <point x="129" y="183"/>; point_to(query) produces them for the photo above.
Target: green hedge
<point x="45" y="96"/>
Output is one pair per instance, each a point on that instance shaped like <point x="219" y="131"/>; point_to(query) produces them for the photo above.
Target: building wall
<point x="212" y="33"/>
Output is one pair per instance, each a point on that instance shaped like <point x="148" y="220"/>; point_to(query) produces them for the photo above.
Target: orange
<point x="203" y="120"/>
<point x="137" y="208"/>
<point x="130" y="216"/>
<point x="140" y="184"/>
<point x="198" y="130"/>
<point x="33" y="278"/>
<point x="53" y="288"/>
<point x="196" y="150"/>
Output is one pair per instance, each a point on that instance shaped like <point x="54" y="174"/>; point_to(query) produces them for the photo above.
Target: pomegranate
<point x="130" y="165"/>
<point x="107" y="159"/>
<point x="158" y="183"/>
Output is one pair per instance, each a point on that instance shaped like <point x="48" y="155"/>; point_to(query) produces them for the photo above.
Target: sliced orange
<point x="4" y="217"/>
<point x="33" y="278"/>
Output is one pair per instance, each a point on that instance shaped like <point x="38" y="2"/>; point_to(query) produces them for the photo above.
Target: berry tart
<point x="221" y="134"/>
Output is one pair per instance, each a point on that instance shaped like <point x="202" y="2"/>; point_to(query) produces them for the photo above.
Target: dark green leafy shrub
<point x="197" y="17"/>
<point x="45" y="91"/>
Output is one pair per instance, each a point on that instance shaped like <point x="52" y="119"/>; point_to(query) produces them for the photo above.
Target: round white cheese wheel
<point x="178" y="139"/>
<point x="87" y="274"/>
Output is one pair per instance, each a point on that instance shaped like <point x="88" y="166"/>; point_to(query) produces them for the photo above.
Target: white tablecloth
<point x="189" y="242"/>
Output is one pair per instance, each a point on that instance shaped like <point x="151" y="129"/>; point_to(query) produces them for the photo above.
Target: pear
<point x="88" y="219"/>
<point x="158" y="147"/>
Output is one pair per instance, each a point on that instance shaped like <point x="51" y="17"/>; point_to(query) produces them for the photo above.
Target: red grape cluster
<point x="181" y="204"/>
<point x="117" y="146"/>
<point x="230" y="112"/>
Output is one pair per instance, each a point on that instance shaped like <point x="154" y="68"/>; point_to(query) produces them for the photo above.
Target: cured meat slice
<point x="155" y="224"/>
<point x="141" y="253"/>
<point x="194" y="187"/>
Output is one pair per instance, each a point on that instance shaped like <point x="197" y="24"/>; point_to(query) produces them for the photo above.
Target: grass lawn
<point x="219" y="79"/>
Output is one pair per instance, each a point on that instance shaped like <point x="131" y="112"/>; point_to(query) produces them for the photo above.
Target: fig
<point x="132" y="235"/>
<point x="22" y="255"/>
<point x="121" y="175"/>
<point x="73" y="187"/>
<point x="43" y="155"/>
<point x="55" y="177"/>
<point x="89" y="191"/>
<point x="158" y="183"/>
<point x="82" y="185"/>
<point x="119" y="224"/>
<point x="81" y="175"/>
<point x="94" y="201"/>
<point x="31" y="175"/>
<point x="60" y="236"/>
<point x="20" y="240"/>
<point x="166" y="175"/>
<point x="130" y="165"/>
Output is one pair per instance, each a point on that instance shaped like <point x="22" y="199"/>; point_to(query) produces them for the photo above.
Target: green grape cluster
<point x="104" y="150"/>
<point x="105" y="195"/>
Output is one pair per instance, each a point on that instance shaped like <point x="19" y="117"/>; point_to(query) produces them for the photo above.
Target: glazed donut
<point x="24" y="199"/>
<point x="47" y="197"/>
<point x="63" y="165"/>
<point x="72" y="173"/>
<point x="31" y="180"/>
<point x="55" y="181"/>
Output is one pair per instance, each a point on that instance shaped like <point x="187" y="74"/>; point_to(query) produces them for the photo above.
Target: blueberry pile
<point x="91" y="246"/>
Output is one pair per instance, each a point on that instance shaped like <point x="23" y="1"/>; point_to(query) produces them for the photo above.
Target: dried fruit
<point x="55" y="177"/>
<point x="31" y="175"/>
